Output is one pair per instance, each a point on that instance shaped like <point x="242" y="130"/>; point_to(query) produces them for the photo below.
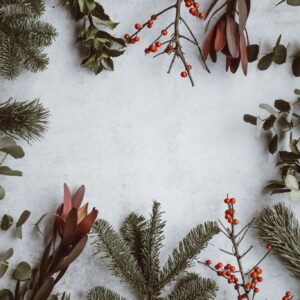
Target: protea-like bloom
<point x="226" y="37"/>
<point x="73" y="218"/>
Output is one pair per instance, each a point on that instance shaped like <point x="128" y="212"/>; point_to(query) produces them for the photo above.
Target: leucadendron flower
<point x="226" y="37"/>
<point x="71" y="213"/>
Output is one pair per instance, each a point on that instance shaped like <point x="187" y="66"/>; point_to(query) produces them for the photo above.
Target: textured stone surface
<point x="138" y="134"/>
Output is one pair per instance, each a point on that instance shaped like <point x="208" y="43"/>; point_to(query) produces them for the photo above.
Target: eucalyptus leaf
<point x="6" y="222"/>
<point x="273" y="144"/>
<point x="293" y="2"/>
<point x="296" y="66"/>
<point x="22" y="272"/>
<point x="3" y="268"/>
<point x="269" y="122"/>
<point x="7" y="254"/>
<point x="280" y="53"/>
<point x="250" y="119"/>
<point x="265" y="62"/>
<point x="9" y="172"/>
<point x="252" y="51"/>
<point x="282" y="105"/>
<point x="2" y="193"/>
<point x="291" y="182"/>
<point x="23" y="218"/>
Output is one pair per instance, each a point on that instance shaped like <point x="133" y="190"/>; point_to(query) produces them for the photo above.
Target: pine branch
<point x="22" y="37"/>
<point x="123" y="263"/>
<point x="102" y="293"/>
<point x="26" y="120"/>
<point x="188" y="249"/>
<point x="279" y="227"/>
<point x="153" y="242"/>
<point x="193" y="286"/>
<point x="133" y="231"/>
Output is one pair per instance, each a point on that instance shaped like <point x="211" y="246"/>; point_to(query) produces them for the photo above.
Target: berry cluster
<point x="170" y="42"/>
<point x="194" y="9"/>
<point x="245" y="283"/>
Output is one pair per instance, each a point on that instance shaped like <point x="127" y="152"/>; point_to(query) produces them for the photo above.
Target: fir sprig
<point x="22" y="37"/>
<point x="26" y="120"/>
<point x="134" y="258"/>
<point x="278" y="226"/>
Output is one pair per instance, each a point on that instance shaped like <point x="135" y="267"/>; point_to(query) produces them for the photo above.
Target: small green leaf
<point x="22" y="272"/>
<point x="86" y="6"/>
<point x="250" y="119"/>
<point x="23" y="218"/>
<point x="282" y="105"/>
<point x="273" y="144"/>
<point x="2" y="193"/>
<point x="6" y="222"/>
<point x="296" y="66"/>
<point x="107" y="23"/>
<point x="9" y="172"/>
<point x="293" y="2"/>
<point x="265" y="62"/>
<point x="253" y="51"/>
<point x="280" y="53"/>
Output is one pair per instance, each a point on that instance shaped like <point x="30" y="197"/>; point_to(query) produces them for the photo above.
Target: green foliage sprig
<point x="23" y="37"/>
<point x="278" y="225"/>
<point x="278" y="55"/>
<point x="99" y="46"/>
<point x="27" y="119"/>
<point x="282" y="120"/>
<point x="134" y="258"/>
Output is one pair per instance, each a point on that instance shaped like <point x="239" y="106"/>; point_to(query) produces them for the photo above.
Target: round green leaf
<point x="280" y="53"/>
<point x="6" y="222"/>
<point x="296" y="66"/>
<point x="265" y="62"/>
<point x="252" y="52"/>
<point x="22" y="272"/>
<point x="2" y="193"/>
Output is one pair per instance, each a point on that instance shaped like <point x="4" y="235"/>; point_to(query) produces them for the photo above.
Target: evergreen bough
<point x="23" y="36"/>
<point x="134" y="258"/>
<point x="278" y="226"/>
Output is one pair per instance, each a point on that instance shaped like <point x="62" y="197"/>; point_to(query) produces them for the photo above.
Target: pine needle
<point x="101" y="293"/>
<point x="279" y="227"/>
<point x="26" y="120"/>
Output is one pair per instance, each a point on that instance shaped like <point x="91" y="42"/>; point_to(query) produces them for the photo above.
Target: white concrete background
<point x="138" y="134"/>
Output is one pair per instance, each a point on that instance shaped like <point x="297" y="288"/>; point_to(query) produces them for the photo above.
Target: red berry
<point x="193" y="11"/>
<point x="288" y="294"/>
<point x="230" y="281"/>
<point x="232" y="200"/>
<point x="137" y="38"/>
<point x="137" y="26"/>
<point x="258" y="270"/>
<point x="260" y="279"/>
<point x="269" y="246"/>
<point x="158" y="44"/>
<point x="232" y="268"/>
<point x="201" y="15"/>
<point x="169" y="48"/>
<point x="153" y="48"/>
<point x="126" y="36"/>
<point x="230" y="221"/>
<point x="285" y="298"/>
<point x="132" y="41"/>
<point x="183" y="74"/>
<point x="188" y="4"/>
<point x="236" y="222"/>
<point x="164" y="32"/>
<point x="189" y="67"/>
<point x="226" y="200"/>
<point x="236" y="287"/>
<point x="154" y="17"/>
<point x="218" y="266"/>
<point x="196" y="4"/>
<point x="208" y="262"/>
<point x="147" y="51"/>
<point x="256" y="290"/>
<point x="254" y="275"/>
<point x="150" y="22"/>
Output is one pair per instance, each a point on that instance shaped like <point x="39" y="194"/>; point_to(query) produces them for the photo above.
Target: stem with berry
<point x="245" y="283"/>
<point x="173" y="44"/>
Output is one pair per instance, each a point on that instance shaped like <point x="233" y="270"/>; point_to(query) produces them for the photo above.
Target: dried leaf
<point x="273" y="146"/>
<point x="232" y="35"/>
<point x="250" y="119"/>
<point x="269" y="122"/>
<point x="45" y="290"/>
<point x="282" y="105"/>
<point x="244" y="54"/>
<point x="220" y="39"/>
<point x="6" y="222"/>
<point x="243" y="15"/>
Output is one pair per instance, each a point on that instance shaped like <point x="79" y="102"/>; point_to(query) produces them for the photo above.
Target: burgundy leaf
<point x="67" y="200"/>
<point x="234" y="64"/>
<point x="78" y="197"/>
<point x="243" y="15"/>
<point x="208" y="43"/>
<point x="244" y="54"/>
<point x="220" y="39"/>
<point x="232" y="35"/>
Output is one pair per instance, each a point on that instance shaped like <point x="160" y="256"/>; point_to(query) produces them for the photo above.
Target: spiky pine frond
<point x="133" y="231"/>
<point x="153" y="238"/>
<point x="183" y="256"/>
<point x="278" y="226"/>
<point x="193" y="286"/>
<point x="123" y="263"/>
<point x="26" y="120"/>
<point x="102" y="293"/>
<point x="23" y="36"/>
